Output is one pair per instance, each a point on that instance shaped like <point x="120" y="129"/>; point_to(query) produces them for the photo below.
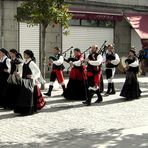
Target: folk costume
<point x="57" y="71"/>
<point x="14" y="80"/>
<point x="77" y="84"/>
<point x="94" y="73"/>
<point x="5" y="68"/>
<point x="130" y="89"/>
<point x="112" y="60"/>
<point x="29" y="97"/>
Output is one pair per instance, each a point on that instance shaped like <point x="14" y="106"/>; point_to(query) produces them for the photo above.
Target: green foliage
<point x="44" y="12"/>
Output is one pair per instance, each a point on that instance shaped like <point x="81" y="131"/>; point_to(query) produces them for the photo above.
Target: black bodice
<point x="91" y="68"/>
<point x="26" y="70"/>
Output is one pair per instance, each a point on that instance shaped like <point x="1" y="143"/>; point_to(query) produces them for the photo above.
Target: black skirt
<point x="25" y="102"/>
<point x="131" y="89"/>
<point x="11" y="95"/>
<point x="3" y="84"/>
<point x="76" y="90"/>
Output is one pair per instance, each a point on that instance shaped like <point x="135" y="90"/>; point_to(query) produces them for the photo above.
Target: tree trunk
<point x="43" y="52"/>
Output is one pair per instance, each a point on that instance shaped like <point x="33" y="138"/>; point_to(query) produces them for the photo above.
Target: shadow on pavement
<point x="7" y="116"/>
<point x="79" y="138"/>
<point x="63" y="106"/>
<point x="56" y="108"/>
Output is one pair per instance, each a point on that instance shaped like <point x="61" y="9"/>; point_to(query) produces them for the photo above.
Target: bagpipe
<point x="109" y="57"/>
<point x="55" y="58"/>
<point x="102" y="49"/>
<point x="73" y="59"/>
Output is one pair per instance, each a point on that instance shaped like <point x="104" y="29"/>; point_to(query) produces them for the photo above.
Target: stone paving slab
<point x="69" y="124"/>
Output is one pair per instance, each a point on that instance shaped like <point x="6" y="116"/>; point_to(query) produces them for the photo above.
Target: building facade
<point x="93" y="22"/>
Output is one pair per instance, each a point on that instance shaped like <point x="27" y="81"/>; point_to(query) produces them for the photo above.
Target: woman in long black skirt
<point x="5" y="68"/>
<point x="28" y="100"/>
<point x="14" y="80"/>
<point x="131" y="88"/>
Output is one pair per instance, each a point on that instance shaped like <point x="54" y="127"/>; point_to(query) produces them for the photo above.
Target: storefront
<point x="29" y="38"/>
<point x="89" y="28"/>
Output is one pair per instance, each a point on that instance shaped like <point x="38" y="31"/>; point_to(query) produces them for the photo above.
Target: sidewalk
<point x="114" y="123"/>
<point x="119" y="78"/>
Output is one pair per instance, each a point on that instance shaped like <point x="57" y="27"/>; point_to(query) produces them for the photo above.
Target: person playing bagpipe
<point x="5" y="68"/>
<point x="112" y="60"/>
<point x="57" y="70"/>
<point x="94" y="61"/>
<point x="130" y="89"/>
<point x="77" y="84"/>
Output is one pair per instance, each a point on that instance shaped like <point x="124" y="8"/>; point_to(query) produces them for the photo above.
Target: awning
<point x="140" y="23"/>
<point x="91" y="15"/>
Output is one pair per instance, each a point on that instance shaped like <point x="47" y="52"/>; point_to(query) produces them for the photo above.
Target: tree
<point x="44" y="12"/>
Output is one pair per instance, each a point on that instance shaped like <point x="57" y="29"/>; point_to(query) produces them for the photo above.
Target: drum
<point x="122" y="64"/>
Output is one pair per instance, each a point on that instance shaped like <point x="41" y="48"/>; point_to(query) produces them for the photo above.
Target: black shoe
<point x="112" y="89"/>
<point x="108" y="89"/>
<point x="107" y="94"/>
<point x="88" y="103"/>
<point x="49" y="91"/>
<point x="62" y="94"/>
<point x="47" y="94"/>
<point x="112" y="93"/>
<point x="98" y="101"/>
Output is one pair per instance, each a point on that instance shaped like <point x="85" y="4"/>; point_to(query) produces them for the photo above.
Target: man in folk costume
<point x="94" y="71"/>
<point x="57" y="70"/>
<point x="112" y="60"/>
<point x="77" y="84"/>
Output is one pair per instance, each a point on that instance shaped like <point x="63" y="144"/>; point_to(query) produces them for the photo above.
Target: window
<point x="92" y="23"/>
<point x="108" y="24"/>
<point x="74" y="22"/>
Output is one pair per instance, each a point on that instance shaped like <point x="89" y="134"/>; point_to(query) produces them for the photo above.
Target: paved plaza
<point x="114" y="123"/>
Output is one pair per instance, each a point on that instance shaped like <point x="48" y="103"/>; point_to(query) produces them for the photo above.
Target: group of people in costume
<point x="18" y="82"/>
<point x="20" y="92"/>
<point x="86" y="73"/>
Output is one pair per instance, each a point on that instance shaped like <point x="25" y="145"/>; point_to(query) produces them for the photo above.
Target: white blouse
<point x="8" y="63"/>
<point x="34" y="69"/>
<point x="59" y="61"/>
<point x="97" y="62"/>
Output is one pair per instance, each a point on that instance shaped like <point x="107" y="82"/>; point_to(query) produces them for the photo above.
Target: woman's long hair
<point x="30" y="54"/>
<point x="5" y="52"/>
<point x="18" y="55"/>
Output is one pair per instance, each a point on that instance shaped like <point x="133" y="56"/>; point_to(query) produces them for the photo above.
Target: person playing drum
<point x="131" y="88"/>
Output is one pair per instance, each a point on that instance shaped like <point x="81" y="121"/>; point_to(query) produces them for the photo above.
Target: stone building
<point x="122" y="23"/>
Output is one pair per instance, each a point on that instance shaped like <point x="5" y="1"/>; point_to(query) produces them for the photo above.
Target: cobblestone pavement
<point x="114" y="123"/>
